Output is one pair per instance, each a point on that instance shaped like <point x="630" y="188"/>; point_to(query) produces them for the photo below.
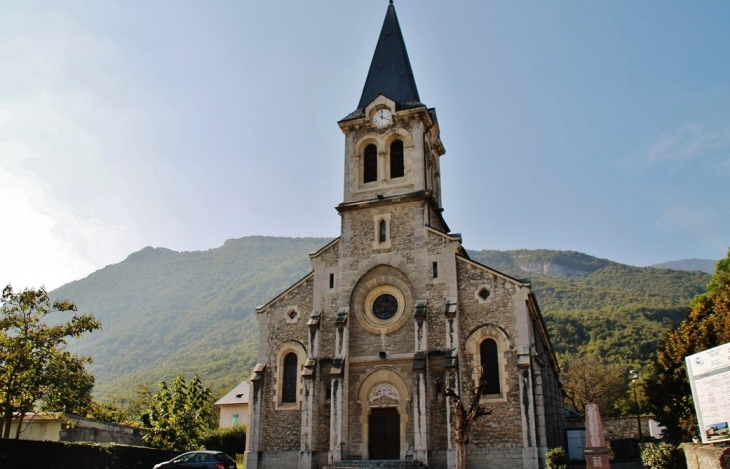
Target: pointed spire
<point x="390" y="71"/>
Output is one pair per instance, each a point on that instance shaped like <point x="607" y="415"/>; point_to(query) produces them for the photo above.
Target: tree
<point x="34" y="365"/>
<point x="464" y="417"/>
<point x="706" y="326"/>
<point x="124" y="408"/>
<point x="588" y="379"/>
<point x="180" y="416"/>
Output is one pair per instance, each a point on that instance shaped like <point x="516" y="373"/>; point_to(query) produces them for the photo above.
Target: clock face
<point x="382" y="117"/>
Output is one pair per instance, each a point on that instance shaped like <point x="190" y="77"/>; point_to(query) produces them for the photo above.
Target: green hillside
<point x="703" y="265"/>
<point x="617" y="310"/>
<point x="165" y="313"/>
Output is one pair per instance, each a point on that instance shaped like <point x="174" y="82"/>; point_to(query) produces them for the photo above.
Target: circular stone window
<point x="385" y="307"/>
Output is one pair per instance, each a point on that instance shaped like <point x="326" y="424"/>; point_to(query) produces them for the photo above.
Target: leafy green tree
<point x="231" y="441"/>
<point x="123" y="407"/>
<point x="706" y="326"/>
<point x="182" y="413"/>
<point x="71" y="385"/>
<point x="34" y="365"/>
<point x="588" y="379"/>
<point x="106" y="411"/>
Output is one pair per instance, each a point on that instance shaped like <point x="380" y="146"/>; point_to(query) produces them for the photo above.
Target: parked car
<point x="199" y="460"/>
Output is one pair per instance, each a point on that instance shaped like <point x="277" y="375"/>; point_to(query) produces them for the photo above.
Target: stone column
<point x="530" y="458"/>
<point x="420" y="385"/>
<point x="540" y="413"/>
<point x="339" y="402"/>
<point x="451" y="364"/>
<point x="253" y="438"/>
<point x="309" y="399"/>
<point x="596" y="451"/>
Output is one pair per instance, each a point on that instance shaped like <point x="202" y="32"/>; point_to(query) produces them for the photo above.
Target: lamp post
<point x="633" y="376"/>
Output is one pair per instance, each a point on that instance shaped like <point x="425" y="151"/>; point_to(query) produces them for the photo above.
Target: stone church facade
<point x="348" y="356"/>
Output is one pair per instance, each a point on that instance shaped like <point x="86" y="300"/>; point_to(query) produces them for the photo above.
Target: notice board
<point x="709" y="376"/>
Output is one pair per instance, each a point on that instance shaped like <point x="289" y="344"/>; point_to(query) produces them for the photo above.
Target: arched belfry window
<point x="396" y="159"/>
<point x="490" y="366"/>
<point x="289" y="387"/>
<point x="370" y="164"/>
<point x="382" y="231"/>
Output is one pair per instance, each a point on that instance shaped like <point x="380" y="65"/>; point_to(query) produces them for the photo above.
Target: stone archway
<point x="383" y="397"/>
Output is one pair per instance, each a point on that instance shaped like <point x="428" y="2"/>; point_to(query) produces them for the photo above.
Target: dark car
<point x="200" y="460"/>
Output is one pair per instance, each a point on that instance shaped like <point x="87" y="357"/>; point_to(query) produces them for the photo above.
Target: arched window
<point x="396" y="159"/>
<point x="383" y="231"/>
<point x="490" y="366"/>
<point x="289" y="387"/>
<point x="370" y="164"/>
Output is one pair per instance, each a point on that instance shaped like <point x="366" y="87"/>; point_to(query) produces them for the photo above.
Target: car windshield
<point x="224" y="457"/>
<point x="187" y="457"/>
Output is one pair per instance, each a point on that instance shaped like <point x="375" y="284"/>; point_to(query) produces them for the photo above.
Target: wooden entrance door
<point x="384" y="441"/>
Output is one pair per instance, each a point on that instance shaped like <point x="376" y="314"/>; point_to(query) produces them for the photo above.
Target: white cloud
<point x="689" y="142"/>
<point x="32" y="252"/>
<point x="685" y="218"/>
<point x="77" y="162"/>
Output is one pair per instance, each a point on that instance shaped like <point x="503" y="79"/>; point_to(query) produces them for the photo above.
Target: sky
<point x="601" y="127"/>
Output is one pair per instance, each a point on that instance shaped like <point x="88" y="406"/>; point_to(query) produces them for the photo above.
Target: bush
<point x="662" y="455"/>
<point x="557" y="458"/>
<point x="231" y="441"/>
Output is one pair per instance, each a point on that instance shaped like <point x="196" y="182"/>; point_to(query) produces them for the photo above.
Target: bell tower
<point x="392" y="141"/>
<point x="348" y="355"/>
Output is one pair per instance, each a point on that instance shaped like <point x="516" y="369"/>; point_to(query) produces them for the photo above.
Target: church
<point x="350" y="356"/>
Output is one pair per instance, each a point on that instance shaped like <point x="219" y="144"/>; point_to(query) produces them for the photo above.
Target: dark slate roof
<point x="390" y="71"/>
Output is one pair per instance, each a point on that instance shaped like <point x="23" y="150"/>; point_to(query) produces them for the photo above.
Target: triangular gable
<point x="324" y="248"/>
<point x="264" y="307"/>
<point x="502" y="275"/>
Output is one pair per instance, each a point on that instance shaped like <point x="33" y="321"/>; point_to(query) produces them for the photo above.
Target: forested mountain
<point x="592" y="304"/>
<point x="165" y="312"/>
<point x="703" y="265"/>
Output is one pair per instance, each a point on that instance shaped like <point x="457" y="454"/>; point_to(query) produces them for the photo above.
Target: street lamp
<point x="633" y="376"/>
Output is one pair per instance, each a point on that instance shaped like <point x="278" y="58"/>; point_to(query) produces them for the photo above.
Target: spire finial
<point x="390" y="71"/>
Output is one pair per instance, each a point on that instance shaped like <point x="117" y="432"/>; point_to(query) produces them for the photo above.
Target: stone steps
<point x="376" y="464"/>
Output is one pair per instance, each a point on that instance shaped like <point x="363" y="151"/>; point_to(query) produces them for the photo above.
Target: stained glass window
<point x="490" y="366"/>
<point x="385" y="307"/>
<point x="289" y="387"/>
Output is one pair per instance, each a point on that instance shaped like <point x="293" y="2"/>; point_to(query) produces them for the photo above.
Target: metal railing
<point x="338" y="449"/>
<point x="409" y="452"/>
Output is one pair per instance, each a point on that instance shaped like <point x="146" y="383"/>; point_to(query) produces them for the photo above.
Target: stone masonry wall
<point x="282" y="427"/>
<point x="323" y="424"/>
<point x="365" y="343"/>
<point x="706" y="457"/>
<point x="437" y="436"/>
<point x="503" y="427"/>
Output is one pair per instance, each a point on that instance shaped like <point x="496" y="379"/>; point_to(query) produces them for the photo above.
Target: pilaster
<point x="420" y="385"/>
<point x="339" y="414"/>
<point x="310" y="409"/>
<point x="253" y="438"/>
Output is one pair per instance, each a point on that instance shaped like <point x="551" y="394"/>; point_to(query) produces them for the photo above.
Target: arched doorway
<point x="383" y="397"/>
<point x="384" y="438"/>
